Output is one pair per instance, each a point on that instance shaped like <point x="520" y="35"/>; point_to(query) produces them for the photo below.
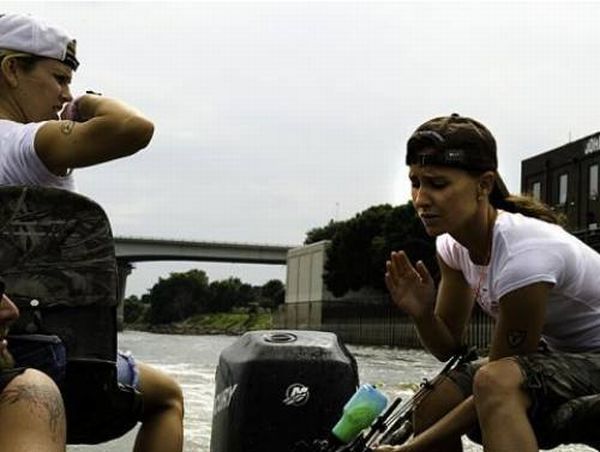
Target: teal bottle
<point x="359" y="413"/>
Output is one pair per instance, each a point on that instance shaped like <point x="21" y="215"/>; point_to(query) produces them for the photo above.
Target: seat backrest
<point x="57" y="258"/>
<point x="58" y="261"/>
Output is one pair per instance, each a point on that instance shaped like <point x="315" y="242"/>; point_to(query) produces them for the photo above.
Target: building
<point x="304" y="288"/>
<point x="304" y="279"/>
<point x="566" y="178"/>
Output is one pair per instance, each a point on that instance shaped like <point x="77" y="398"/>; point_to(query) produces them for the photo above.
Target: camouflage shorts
<point x="549" y="378"/>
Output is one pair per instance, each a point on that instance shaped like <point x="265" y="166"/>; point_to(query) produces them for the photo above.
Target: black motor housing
<point x="276" y="388"/>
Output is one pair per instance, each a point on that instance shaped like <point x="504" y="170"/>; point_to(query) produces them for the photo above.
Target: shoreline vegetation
<point x="227" y="323"/>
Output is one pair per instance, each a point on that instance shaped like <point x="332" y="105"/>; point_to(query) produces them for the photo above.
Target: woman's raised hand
<point x="412" y="288"/>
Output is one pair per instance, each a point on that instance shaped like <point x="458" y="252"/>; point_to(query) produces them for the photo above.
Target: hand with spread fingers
<point x="411" y="287"/>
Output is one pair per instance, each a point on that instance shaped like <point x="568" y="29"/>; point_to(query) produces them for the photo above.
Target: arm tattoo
<point x="516" y="338"/>
<point x="66" y="127"/>
<point x="41" y="401"/>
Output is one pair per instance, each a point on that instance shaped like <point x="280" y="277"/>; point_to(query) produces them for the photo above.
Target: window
<point x="563" y="183"/>
<point x="536" y="190"/>
<point x="594" y="182"/>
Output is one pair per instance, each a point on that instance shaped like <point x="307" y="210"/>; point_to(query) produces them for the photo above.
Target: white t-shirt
<point x="20" y="164"/>
<point x="525" y="251"/>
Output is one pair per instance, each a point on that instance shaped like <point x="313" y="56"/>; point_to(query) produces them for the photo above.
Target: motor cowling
<point x="277" y="388"/>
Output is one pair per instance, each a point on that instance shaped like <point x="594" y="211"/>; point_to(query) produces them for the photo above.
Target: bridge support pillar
<point x="124" y="269"/>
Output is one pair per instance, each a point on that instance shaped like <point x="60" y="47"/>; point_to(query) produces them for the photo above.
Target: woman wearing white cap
<point x="538" y="282"/>
<point x="39" y="145"/>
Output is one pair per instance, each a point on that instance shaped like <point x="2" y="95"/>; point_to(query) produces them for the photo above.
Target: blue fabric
<point x="46" y="353"/>
<point x="127" y="370"/>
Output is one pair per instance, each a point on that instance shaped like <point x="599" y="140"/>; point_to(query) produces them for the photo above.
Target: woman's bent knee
<point x="175" y="397"/>
<point x="159" y="390"/>
<point x="497" y="376"/>
<point x="498" y="382"/>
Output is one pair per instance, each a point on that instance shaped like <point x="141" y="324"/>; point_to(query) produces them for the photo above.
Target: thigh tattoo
<point x="40" y="400"/>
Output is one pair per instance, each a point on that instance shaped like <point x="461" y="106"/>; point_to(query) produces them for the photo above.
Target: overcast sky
<point x="273" y="118"/>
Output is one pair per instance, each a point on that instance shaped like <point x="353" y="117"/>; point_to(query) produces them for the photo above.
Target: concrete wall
<point x="304" y="277"/>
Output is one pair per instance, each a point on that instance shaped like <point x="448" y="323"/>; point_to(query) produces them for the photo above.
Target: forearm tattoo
<point x="516" y="338"/>
<point x="42" y="402"/>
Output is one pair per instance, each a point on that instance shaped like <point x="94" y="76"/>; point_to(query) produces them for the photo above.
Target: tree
<point x="179" y="296"/>
<point x="230" y="293"/>
<point x="273" y="293"/>
<point x="404" y="230"/>
<point x="322" y="233"/>
<point x="360" y="246"/>
<point x="349" y="264"/>
<point x="133" y="309"/>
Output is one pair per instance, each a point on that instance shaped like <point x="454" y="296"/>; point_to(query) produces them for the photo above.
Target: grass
<point x="215" y="323"/>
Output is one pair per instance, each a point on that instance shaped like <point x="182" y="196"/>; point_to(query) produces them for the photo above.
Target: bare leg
<point x="162" y="422"/>
<point x="436" y="405"/>
<point x="32" y="415"/>
<point x="435" y="429"/>
<point x="502" y="408"/>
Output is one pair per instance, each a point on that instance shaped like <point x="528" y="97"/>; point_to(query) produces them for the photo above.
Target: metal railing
<point x="372" y="321"/>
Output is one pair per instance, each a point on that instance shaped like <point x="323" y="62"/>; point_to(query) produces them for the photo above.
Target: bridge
<point x="138" y="249"/>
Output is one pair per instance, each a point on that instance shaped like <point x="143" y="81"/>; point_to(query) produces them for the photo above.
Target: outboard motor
<point x="277" y="388"/>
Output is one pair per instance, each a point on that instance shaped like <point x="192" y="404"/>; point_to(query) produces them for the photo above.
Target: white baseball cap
<point x="25" y="33"/>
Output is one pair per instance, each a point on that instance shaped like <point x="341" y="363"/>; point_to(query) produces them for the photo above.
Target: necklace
<point x="483" y="269"/>
<point x="482" y="275"/>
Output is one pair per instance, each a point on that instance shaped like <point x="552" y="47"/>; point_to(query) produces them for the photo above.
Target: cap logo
<point x="454" y="155"/>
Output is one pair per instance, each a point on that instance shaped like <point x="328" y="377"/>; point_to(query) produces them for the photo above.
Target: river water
<point x="192" y="360"/>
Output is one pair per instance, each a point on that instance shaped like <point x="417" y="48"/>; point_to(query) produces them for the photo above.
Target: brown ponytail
<point x="530" y="207"/>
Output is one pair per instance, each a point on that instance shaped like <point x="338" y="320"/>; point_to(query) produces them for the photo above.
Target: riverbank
<point x="230" y="323"/>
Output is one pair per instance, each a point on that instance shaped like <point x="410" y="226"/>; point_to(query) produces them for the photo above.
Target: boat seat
<point x="58" y="263"/>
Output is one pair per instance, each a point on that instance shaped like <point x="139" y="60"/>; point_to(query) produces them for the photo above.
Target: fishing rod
<point x="394" y="426"/>
<point x="400" y="422"/>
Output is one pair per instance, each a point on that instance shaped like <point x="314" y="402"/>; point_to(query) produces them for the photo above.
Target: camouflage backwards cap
<point x="459" y="142"/>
